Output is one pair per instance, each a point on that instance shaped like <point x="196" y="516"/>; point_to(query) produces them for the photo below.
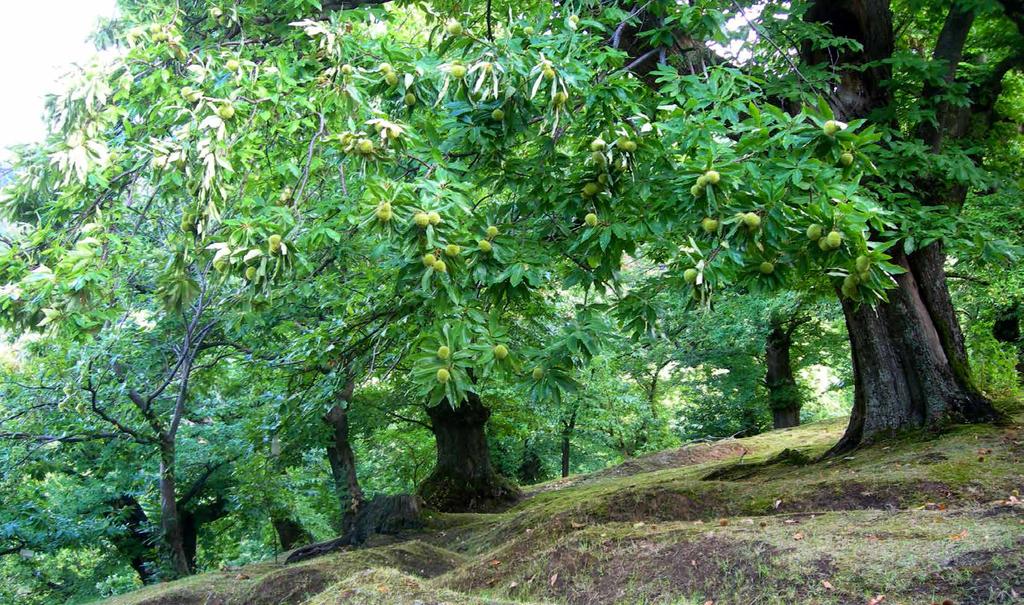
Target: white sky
<point x="38" y="41"/>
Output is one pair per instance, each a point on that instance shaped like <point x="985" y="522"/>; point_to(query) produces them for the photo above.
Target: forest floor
<point x="741" y="521"/>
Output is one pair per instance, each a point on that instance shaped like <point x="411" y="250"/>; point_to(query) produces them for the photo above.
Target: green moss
<point x="913" y="518"/>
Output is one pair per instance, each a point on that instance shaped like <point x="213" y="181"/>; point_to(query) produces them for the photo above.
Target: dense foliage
<point x="254" y="224"/>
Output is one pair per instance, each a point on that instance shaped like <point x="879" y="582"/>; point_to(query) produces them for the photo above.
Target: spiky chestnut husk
<point x="434" y="218"/>
<point x="484" y="245"/>
<point x="453" y="27"/>
<point x="422" y="219"/>
<point x="443" y="352"/>
<point x="598" y="144"/>
<point x="458" y="71"/>
<point x="440" y="267"/>
<point x="591" y="189"/>
<point x="591" y="219"/>
<point x="713" y="177"/>
<point x="500" y="352"/>
<point x="274" y="243"/>
<point x="766" y="268"/>
<point x="492" y="231"/>
<point x="862" y="263"/>
<point x="226" y="111"/>
<point x="364" y="146"/>
<point x="710" y="225"/>
<point x="846" y="159"/>
<point x="452" y="249"/>
<point x="538" y="373"/>
<point x="834" y="239"/>
<point x="429" y="259"/>
<point x="690" y="276"/>
<point x="752" y="221"/>
<point x="814" y="232"/>
<point x="831" y="127"/>
<point x="498" y="115"/>
<point x="443" y="376"/>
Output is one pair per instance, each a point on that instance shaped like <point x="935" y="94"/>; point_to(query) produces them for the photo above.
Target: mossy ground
<point x="919" y="520"/>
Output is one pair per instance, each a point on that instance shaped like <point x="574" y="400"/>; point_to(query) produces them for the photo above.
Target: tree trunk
<point x="568" y="428"/>
<point x="170" y="522"/>
<point x="289" y="533"/>
<point x="783" y="394"/>
<point x="904" y="376"/>
<point x="192" y="519"/>
<point x="909" y="359"/>
<point x="343" y="459"/>
<point x="137" y="545"/>
<point x="531" y="470"/>
<point x="1006" y="328"/>
<point x="463" y="478"/>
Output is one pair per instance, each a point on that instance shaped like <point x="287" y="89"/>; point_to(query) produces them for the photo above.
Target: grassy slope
<point x="919" y="520"/>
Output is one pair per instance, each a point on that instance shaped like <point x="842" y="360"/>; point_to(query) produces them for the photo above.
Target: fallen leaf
<point x="576" y="525"/>
<point x="798" y="535"/>
<point x="778" y="503"/>
<point x="959" y="536"/>
<point x="554" y="579"/>
<point x="827" y="585"/>
<point x="495" y="562"/>
<point x="877" y="600"/>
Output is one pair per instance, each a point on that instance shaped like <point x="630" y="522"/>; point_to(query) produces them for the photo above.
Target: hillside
<point x="737" y="521"/>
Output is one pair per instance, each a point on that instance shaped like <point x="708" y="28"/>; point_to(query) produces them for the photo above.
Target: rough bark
<point x="343" y="459"/>
<point x="463" y="478"/>
<point x="909" y="359"/>
<point x="170" y="522"/>
<point x="382" y="515"/>
<point x="783" y="394"/>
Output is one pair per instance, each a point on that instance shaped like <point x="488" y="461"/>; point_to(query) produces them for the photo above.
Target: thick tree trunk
<point x="463" y="478"/>
<point x="343" y="459"/>
<point x="909" y="359"/>
<point x="170" y="522"/>
<point x="904" y="375"/>
<point x="783" y="394"/>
